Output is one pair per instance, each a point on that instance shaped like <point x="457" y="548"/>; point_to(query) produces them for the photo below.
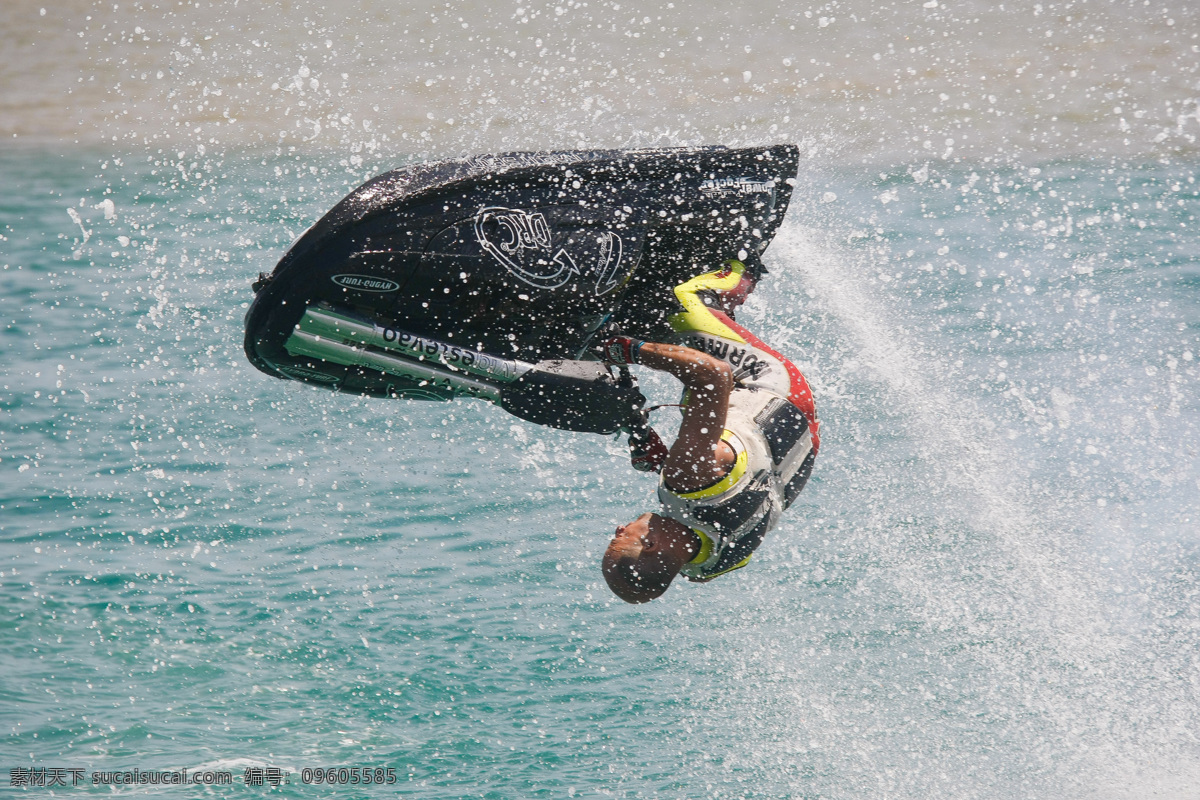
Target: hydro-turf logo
<point x="366" y="283"/>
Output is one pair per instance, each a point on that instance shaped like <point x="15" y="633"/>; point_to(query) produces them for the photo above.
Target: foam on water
<point x="1052" y="661"/>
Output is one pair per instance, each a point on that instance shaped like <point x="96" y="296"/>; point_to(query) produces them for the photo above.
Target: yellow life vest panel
<point x="773" y="456"/>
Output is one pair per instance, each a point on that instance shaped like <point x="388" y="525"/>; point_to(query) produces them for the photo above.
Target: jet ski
<point x="491" y="276"/>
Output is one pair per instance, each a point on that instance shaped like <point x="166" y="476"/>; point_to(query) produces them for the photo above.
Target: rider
<point x="745" y="448"/>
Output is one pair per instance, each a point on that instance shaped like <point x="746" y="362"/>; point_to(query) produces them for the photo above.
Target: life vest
<point x="703" y="326"/>
<point x="774" y="455"/>
<point x="772" y="427"/>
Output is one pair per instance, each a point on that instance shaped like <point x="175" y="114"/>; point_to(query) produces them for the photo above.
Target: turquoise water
<point x="988" y="590"/>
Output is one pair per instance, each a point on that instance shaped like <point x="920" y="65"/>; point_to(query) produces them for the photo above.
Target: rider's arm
<point x="695" y="460"/>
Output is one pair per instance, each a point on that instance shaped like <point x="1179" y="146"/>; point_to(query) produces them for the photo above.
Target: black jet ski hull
<point x="522" y="256"/>
<point x="562" y="393"/>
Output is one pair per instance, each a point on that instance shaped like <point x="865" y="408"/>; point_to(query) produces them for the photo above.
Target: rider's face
<point x="631" y="537"/>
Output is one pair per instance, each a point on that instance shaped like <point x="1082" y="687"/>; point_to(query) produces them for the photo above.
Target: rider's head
<point x="645" y="556"/>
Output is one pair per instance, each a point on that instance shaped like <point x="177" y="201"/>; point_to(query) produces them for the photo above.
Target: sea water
<point x="989" y="273"/>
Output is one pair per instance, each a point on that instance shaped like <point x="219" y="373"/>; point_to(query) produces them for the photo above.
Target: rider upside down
<point x="745" y="448"/>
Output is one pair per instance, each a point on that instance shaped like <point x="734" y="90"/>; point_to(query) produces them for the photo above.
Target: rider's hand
<point x="620" y="350"/>
<point x="647" y="453"/>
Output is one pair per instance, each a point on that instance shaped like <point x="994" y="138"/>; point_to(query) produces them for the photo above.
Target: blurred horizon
<point x="853" y="82"/>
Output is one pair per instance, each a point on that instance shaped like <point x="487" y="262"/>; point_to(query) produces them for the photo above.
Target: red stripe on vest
<point x="801" y="395"/>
